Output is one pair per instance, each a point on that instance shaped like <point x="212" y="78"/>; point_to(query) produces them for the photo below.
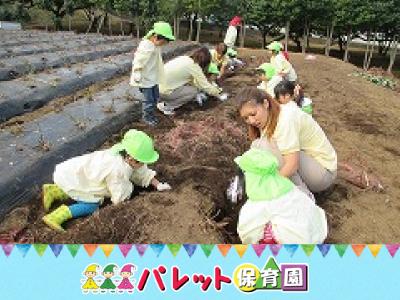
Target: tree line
<point x="375" y="21"/>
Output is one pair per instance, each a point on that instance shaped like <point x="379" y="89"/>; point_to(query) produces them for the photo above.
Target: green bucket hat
<point x="275" y="46"/>
<point x="163" y="29"/>
<point x="263" y="181"/>
<point x="138" y="145"/>
<point x="213" y="69"/>
<point x="109" y="268"/>
<point x="268" y="69"/>
<point x="231" y="52"/>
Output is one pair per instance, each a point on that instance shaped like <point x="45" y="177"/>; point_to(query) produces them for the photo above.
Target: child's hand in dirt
<point x="223" y="97"/>
<point x="163" y="186"/>
<point x="137" y="76"/>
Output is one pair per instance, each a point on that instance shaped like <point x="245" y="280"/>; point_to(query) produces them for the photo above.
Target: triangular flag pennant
<point x="174" y="248"/>
<point x="324" y="249"/>
<point x="107" y="249"/>
<point x="259" y="248"/>
<point x="23" y="248"/>
<point x="157" y="248"/>
<point x="207" y="249"/>
<point x="275" y="248"/>
<point x="190" y="248"/>
<point x="240" y="249"/>
<point x="358" y="248"/>
<point x="90" y="248"/>
<point x="374" y="248"/>
<point x="125" y="248"/>
<point x="73" y="249"/>
<point x="341" y="249"/>
<point x="291" y="248"/>
<point x="40" y="248"/>
<point x="7" y="248"/>
<point x="308" y="248"/>
<point x="56" y="248"/>
<point x="392" y="248"/>
<point x="141" y="248"/>
<point x="224" y="248"/>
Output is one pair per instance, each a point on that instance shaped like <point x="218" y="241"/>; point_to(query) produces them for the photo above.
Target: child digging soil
<point x="89" y="178"/>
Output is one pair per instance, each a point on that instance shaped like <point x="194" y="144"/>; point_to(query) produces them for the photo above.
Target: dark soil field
<point x="197" y="147"/>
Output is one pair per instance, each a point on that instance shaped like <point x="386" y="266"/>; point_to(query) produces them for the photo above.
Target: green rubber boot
<point x="50" y="194"/>
<point x="57" y="217"/>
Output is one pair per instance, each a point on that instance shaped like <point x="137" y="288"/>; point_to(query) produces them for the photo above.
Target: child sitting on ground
<point x="234" y="62"/>
<point x="89" y="178"/>
<point x="219" y="57"/>
<point x="276" y="210"/>
<point x="268" y="77"/>
<point x="148" y="68"/>
<point x="286" y="91"/>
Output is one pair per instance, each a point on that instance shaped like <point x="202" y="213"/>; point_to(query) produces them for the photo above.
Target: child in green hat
<point x="148" y="68"/>
<point x="276" y="210"/>
<point x="89" y="178"/>
<point x="234" y="62"/>
<point x="269" y="78"/>
<point x="283" y="67"/>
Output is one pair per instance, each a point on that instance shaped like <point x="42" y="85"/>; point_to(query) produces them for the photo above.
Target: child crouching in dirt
<point x="234" y="62"/>
<point x="269" y="78"/>
<point x="276" y="211"/>
<point x="148" y="68"/>
<point x="89" y="178"/>
<point x="285" y="91"/>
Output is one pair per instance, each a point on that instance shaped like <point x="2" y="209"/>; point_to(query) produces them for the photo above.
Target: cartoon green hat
<point x="268" y="69"/>
<point x="109" y="268"/>
<point x="163" y="29"/>
<point x="231" y="52"/>
<point x="138" y="145"/>
<point x="213" y="69"/>
<point x="275" y="46"/>
<point x="263" y="181"/>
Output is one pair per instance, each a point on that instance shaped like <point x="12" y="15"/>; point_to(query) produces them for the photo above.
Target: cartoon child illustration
<point x="126" y="272"/>
<point x="90" y="273"/>
<point x="108" y="273"/>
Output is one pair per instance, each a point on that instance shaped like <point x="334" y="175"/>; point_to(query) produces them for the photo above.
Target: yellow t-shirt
<point x="298" y="131"/>
<point x="223" y="61"/>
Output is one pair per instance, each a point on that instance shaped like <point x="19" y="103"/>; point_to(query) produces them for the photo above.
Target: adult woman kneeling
<point x="304" y="152"/>
<point x="184" y="78"/>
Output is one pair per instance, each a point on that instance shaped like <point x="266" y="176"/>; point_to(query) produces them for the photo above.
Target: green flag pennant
<point x="308" y="248"/>
<point x="40" y="248"/>
<point x="207" y="249"/>
<point x="73" y="249"/>
<point x="174" y="248"/>
<point x="341" y="249"/>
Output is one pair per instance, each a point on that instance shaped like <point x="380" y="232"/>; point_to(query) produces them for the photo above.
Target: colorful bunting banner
<point x="157" y="248"/>
<point x="358" y="249"/>
<point x="73" y="249"/>
<point x="174" y="248"/>
<point x="107" y="249"/>
<point x="240" y="249"/>
<point x="224" y="248"/>
<point x="56" y="248"/>
<point x="392" y="248"/>
<point x="141" y="248"/>
<point x="341" y="249"/>
<point x="324" y="249"/>
<point x="23" y="248"/>
<point x="7" y="248"/>
<point x="374" y="248"/>
<point x="308" y="249"/>
<point x="125" y="248"/>
<point x="207" y="248"/>
<point x="291" y="248"/>
<point x="90" y="249"/>
<point x="190" y="248"/>
<point x="40" y="248"/>
<point x="259" y="248"/>
<point x="275" y="248"/>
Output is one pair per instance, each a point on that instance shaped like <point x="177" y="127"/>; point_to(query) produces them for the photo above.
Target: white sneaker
<point x="201" y="98"/>
<point x="165" y="110"/>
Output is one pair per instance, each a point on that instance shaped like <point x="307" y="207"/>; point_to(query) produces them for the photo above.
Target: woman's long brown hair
<point x="202" y="57"/>
<point x="257" y="97"/>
